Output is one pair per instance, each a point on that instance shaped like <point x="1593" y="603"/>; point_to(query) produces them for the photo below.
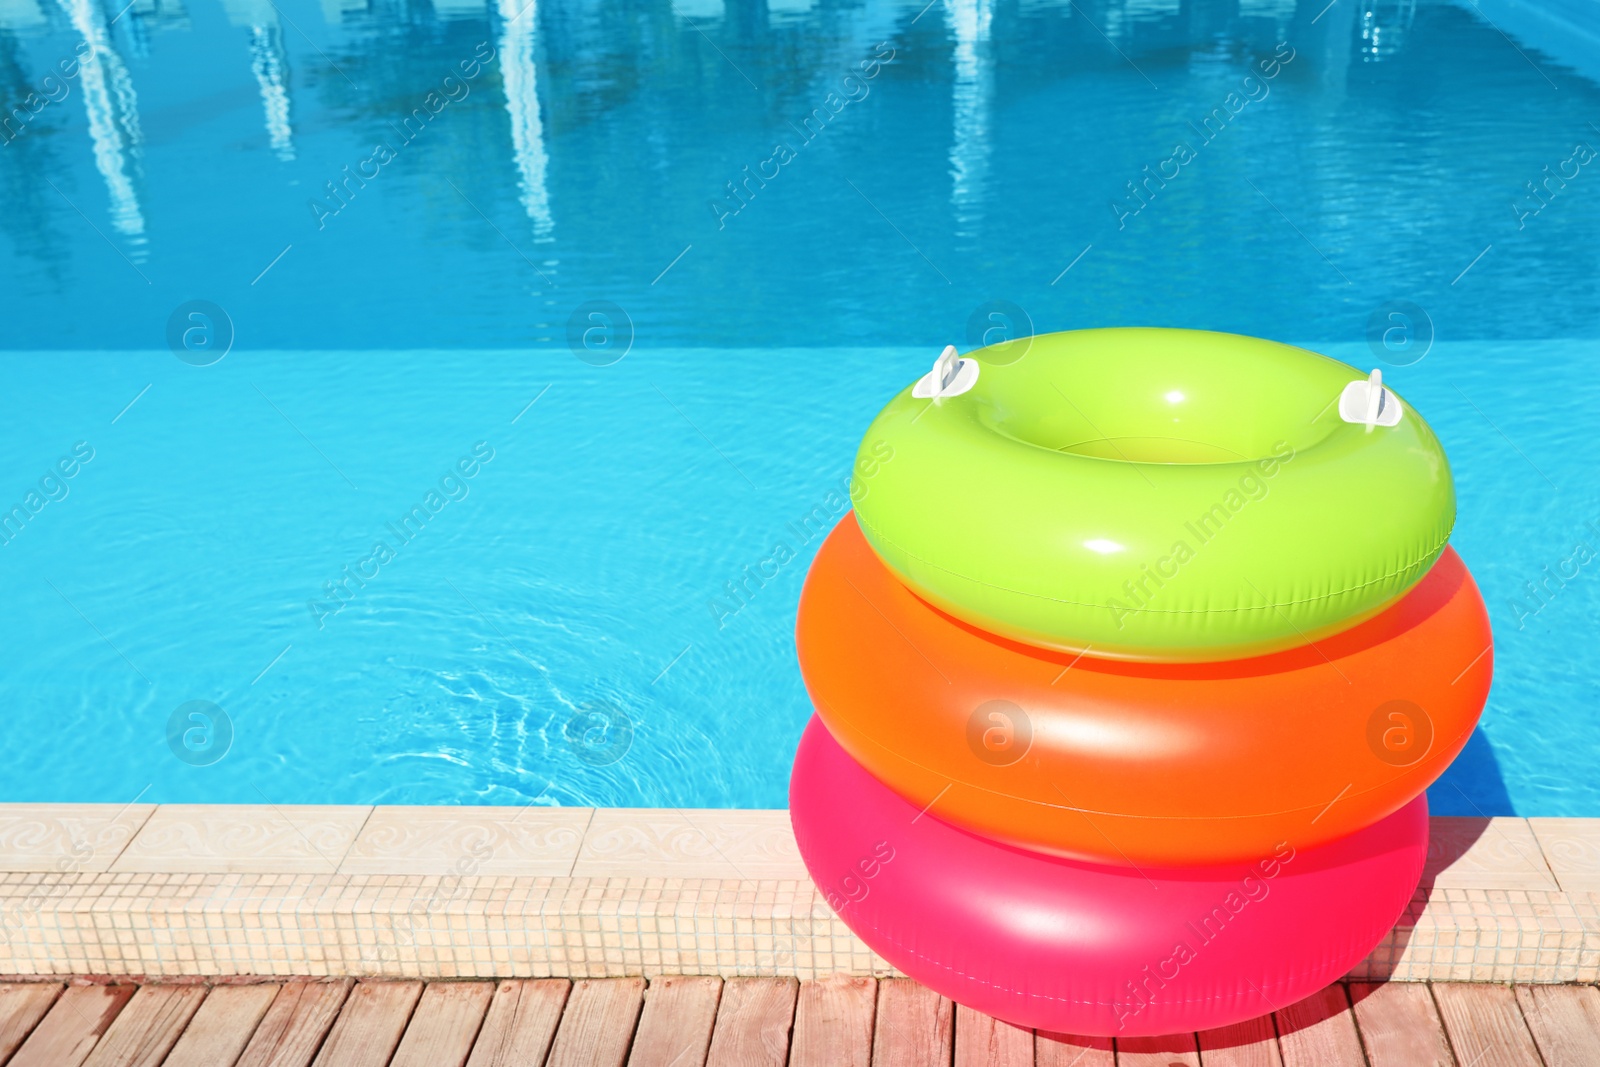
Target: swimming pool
<point x="580" y="390"/>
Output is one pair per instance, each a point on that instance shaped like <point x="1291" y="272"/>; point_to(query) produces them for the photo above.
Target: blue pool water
<point x="537" y="300"/>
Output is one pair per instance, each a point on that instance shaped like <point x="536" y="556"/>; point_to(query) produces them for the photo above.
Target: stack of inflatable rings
<point x="1131" y="668"/>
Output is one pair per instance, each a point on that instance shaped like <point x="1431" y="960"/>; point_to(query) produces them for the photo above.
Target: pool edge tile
<point x="1571" y="847"/>
<point x="1486" y="853"/>
<point x="745" y="843"/>
<point x="67" y="837"/>
<point x="243" y="838"/>
<point x="468" y="841"/>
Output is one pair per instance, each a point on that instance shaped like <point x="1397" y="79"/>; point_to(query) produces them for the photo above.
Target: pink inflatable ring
<point x="1080" y="948"/>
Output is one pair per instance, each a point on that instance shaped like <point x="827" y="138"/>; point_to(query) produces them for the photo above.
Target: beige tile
<point x="468" y="841"/>
<point x="67" y="837"/>
<point x="1572" y="849"/>
<point x="689" y="843"/>
<point x="1475" y="853"/>
<point x="243" y="838"/>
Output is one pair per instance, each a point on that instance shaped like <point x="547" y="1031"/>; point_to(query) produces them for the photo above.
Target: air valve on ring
<point x="1369" y="403"/>
<point x="951" y="376"/>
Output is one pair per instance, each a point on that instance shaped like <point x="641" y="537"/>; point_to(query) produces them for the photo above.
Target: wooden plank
<point x="1177" y="1050"/>
<point x="72" y="1027"/>
<point x="675" y="1028"/>
<point x="984" y="1041"/>
<point x="144" y="1032"/>
<point x="220" y="1030"/>
<point x="1071" y="1050"/>
<point x="1399" y="1025"/>
<point x="1320" y="1031"/>
<point x="1485" y="1025"/>
<point x="445" y="1025"/>
<point x="1252" y="1043"/>
<point x="22" y="1005"/>
<point x="753" y="1023"/>
<point x="292" y="1030"/>
<point x="521" y="1023"/>
<point x="597" y="1027"/>
<point x="1565" y="1020"/>
<point x="915" y="1026"/>
<point x="833" y="1022"/>
<point x="370" y="1024"/>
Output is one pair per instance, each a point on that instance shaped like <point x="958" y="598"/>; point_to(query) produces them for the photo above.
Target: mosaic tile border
<point x="187" y="890"/>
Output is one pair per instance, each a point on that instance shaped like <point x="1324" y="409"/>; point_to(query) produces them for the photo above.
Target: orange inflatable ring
<point x="1142" y="763"/>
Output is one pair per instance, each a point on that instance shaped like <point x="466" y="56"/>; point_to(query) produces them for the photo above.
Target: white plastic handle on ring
<point x="1369" y="403"/>
<point x="951" y="376"/>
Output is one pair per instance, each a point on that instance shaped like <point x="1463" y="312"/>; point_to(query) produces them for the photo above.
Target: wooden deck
<point x="749" y="1022"/>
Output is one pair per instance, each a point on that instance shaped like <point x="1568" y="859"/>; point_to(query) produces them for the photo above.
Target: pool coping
<point x="438" y="892"/>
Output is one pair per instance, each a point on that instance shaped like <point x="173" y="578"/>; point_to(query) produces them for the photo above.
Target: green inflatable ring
<point x="1152" y="494"/>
